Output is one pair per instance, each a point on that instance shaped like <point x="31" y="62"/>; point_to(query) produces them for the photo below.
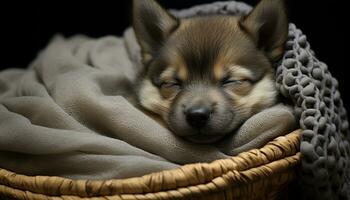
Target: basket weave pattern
<point x="256" y="174"/>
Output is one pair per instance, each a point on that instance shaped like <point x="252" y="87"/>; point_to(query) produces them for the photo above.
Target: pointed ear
<point x="267" y="24"/>
<point x="152" y="25"/>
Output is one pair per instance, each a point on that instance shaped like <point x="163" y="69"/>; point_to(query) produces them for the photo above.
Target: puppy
<point x="204" y="76"/>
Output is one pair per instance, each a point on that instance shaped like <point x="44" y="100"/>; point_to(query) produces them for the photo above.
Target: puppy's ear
<point x="152" y="25"/>
<point x="267" y="24"/>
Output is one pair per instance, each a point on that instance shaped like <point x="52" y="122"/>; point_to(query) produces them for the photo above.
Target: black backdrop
<point x="26" y="27"/>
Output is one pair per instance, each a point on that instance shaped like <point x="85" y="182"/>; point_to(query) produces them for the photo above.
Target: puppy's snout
<point x="198" y="116"/>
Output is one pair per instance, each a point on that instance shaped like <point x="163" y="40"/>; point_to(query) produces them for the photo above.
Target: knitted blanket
<point x="301" y="77"/>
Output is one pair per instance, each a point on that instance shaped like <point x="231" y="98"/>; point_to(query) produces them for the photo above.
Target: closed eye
<point x="230" y="82"/>
<point x="170" y="89"/>
<point x="227" y="80"/>
<point x="169" y="84"/>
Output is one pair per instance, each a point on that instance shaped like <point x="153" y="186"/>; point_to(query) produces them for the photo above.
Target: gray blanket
<point x="66" y="115"/>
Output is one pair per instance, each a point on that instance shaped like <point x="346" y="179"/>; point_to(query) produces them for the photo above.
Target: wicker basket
<point x="257" y="174"/>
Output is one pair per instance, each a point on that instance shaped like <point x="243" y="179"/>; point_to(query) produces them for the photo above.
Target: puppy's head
<point x="206" y="75"/>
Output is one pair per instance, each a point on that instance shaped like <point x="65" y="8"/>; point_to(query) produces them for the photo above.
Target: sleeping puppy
<point x="204" y="76"/>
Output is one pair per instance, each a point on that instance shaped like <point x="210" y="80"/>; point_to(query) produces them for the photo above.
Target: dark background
<point x="26" y="27"/>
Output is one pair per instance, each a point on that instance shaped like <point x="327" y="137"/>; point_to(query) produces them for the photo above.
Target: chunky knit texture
<point x="305" y="80"/>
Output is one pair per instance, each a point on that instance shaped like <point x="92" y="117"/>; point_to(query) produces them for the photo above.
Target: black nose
<point x="197" y="116"/>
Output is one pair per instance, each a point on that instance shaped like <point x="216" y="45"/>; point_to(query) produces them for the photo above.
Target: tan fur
<point x="239" y="73"/>
<point x="261" y="96"/>
<point x="168" y="74"/>
<point x="177" y="68"/>
<point x="151" y="99"/>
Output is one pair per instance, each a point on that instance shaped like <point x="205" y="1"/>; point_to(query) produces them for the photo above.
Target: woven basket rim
<point x="276" y="157"/>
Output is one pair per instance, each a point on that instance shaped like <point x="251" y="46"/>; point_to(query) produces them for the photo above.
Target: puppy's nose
<point x="197" y="116"/>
